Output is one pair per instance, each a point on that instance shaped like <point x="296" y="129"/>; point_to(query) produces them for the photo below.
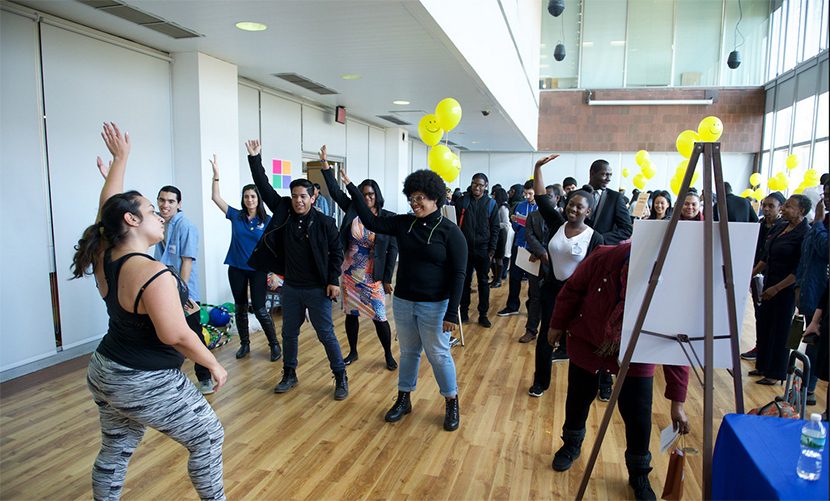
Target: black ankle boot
<point x="241" y="317"/>
<point x="276" y="352"/>
<point x="264" y="318"/>
<point x="639" y="466"/>
<point x="451" y="416"/>
<point x="570" y="450"/>
<point x="402" y="406"/>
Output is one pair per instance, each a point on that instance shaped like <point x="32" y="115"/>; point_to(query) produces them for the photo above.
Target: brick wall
<point x="567" y="123"/>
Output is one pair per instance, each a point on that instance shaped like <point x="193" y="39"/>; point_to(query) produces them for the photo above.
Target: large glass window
<point x="767" y="143"/>
<point x="566" y="28"/>
<point x="782" y="127"/>
<point x="821" y="115"/>
<point x="812" y="31"/>
<point x="791" y="41"/>
<point x="820" y="157"/>
<point x="696" y="54"/>
<point x="603" y="44"/>
<point x="751" y="40"/>
<point x="649" y="48"/>
<point x="803" y="123"/>
<point x="776" y="42"/>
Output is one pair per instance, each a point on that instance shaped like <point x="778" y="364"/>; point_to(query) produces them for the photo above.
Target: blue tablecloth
<point x="756" y="456"/>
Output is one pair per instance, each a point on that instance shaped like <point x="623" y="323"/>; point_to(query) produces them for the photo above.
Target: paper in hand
<point x="667" y="437"/>
<point x="523" y="262"/>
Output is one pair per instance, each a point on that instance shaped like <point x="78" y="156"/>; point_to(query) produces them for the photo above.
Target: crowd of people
<point x="580" y="238"/>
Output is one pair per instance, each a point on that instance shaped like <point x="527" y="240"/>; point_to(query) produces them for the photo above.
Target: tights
<point x="382" y="328"/>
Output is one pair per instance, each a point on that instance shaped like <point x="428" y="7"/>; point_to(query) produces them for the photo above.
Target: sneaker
<point x="642" y="488"/>
<point x="559" y="355"/>
<point x="451" y="418"/>
<point x="289" y="380"/>
<point x="811" y="398"/>
<point x="496" y="284"/>
<point x="454" y="341"/>
<point x="206" y="387"/>
<point x="604" y="394"/>
<point x="750" y="355"/>
<point x="484" y="321"/>
<point x="341" y="385"/>
<point x="528" y="337"/>
<point x="507" y="311"/>
<point x="535" y="390"/>
<point x="565" y="457"/>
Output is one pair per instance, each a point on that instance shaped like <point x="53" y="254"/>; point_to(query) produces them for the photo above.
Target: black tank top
<point x="131" y="339"/>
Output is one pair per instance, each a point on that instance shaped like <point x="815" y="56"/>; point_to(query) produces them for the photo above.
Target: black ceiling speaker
<point x="559" y="52"/>
<point x="555" y="7"/>
<point x="733" y="61"/>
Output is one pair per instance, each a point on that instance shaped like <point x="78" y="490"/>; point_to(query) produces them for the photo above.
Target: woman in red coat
<point x="590" y="307"/>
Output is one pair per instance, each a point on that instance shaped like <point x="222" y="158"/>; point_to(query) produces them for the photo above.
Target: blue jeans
<point x="420" y="327"/>
<point x="294" y="303"/>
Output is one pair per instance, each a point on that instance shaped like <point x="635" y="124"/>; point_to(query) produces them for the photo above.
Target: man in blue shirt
<point x="179" y="250"/>
<point x="320" y="202"/>
<point x="519" y="218"/>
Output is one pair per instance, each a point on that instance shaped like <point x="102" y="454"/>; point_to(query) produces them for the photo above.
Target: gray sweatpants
<point x="130" y="400"/>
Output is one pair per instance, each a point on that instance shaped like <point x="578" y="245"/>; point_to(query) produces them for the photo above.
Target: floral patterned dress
<point x="362" y="296"/>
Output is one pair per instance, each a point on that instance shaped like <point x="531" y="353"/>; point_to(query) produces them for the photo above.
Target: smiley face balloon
<point x="430" y="130"/>
<point x="709" y="129"/>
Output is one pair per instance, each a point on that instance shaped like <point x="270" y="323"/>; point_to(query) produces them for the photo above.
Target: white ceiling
<point x="390" y="43"/>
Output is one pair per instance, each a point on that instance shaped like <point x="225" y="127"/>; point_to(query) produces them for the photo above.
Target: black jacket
<point x="386" y="246"/>
<point x="613" y="221"/>
<point x="738" y="210"/>
<point x="479" y="221"/>
<point x="269" y="253"/>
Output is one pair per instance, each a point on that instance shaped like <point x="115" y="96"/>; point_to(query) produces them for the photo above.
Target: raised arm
<point x="269" y="195"/>
<point x="551" y="216"/>
<point x="215" y="196"/>
<point x="119" y="146"/>
<point x="340" y="198"/>
<point x="388" y="225"/>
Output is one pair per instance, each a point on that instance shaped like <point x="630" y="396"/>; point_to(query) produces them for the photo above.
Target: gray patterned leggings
<point x="130" y="400"/>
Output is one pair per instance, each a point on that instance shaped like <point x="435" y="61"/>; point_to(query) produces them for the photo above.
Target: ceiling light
<point x="350" y="77"/>
<point x="476" y="142"/>
<point x="251" y="26"/>
<point x="402" y="103"/>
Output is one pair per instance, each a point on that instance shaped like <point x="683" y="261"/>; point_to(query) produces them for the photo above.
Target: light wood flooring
<point x="303" y="445"/>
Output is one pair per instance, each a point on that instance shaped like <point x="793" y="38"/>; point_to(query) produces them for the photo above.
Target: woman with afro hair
<point x="433" y="260"/>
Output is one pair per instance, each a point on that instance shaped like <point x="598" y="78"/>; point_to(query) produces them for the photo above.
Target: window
<point x="603" y="44"/>
<point x="564" y="74"/>
<point x="803" y="123"/>
<point x="782" y="127"/>
<point x="649" y="49"/>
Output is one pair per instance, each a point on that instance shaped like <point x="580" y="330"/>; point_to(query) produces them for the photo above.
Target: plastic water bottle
<point x="812" y="443"/>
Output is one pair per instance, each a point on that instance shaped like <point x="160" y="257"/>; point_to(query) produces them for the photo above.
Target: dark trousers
<point x="775" y="316"/>
<point x="533" y="305"/>
<point x="515" y="284"/>
<point x="634" y="405"/>
<point x="193" y="321"/>
<point x="294" y="303"/>
<point x="479" y="261"/>
<point x="544" y="351"/>
<point x="239" y="280"/>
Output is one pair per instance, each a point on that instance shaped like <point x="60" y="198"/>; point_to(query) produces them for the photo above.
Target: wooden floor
<point x="304" y="445"/>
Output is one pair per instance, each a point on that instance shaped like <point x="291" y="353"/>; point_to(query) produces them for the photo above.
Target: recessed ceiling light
<point x="476" y="142"/>
<point x="402" y="103"/>
<point x="350" y="77"/>
<point x="251" y="26"/>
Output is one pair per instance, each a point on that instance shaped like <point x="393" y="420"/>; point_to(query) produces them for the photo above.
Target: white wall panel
<point x="26" y="329"/>
<point x="248" y="128"/>
<point x="377" y="159"/>
<point x="357" y="150"/>
<point x="86" y="83"/>
<point x="281" y="134"/>
<point x="419" y="156"/>
<point x="319" y="128"/>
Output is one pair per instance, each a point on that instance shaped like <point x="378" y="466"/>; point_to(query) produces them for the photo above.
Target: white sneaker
<point x="206" y="386"/>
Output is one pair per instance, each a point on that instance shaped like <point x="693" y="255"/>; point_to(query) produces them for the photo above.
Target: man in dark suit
<point x="611" y="218"/>
<point x="738" y="209"/>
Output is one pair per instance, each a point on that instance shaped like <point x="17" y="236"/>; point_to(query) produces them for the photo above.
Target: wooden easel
<point x="711" y="164"/>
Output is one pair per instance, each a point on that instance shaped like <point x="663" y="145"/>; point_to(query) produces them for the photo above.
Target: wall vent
<point x="395" y="120"/>
<point x="141" y="18"/>
<point x="305" y="83"/>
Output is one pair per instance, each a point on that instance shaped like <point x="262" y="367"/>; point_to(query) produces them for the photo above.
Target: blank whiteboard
<point x="677" y="304"/>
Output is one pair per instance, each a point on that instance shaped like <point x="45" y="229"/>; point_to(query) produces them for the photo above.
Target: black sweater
<point x="433" y="254"/>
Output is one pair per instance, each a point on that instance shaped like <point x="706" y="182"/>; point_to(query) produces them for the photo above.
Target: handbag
<point x="673" y="488"/>
<point x="796" y="332"/>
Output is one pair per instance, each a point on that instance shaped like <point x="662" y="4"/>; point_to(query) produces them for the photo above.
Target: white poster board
<point x="677" y="304"/>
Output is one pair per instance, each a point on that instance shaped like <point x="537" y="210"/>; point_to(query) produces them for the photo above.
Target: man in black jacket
<point x="478" y="218"/>
<point x="738" y="209"/>
<point x="302" y="245"/>
<point x="536" y="236"/>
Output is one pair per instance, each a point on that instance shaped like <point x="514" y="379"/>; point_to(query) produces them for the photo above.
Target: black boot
<point x="264" y="318"/>
<point x="570" y="450"/>
<point x="341" y="385"/>
<point x="289" y="380"/>
<point x="639" y="467"/>
<point x="241" y="316"/>
<point x="451" y="415"/>
<point x="402" y="406"/>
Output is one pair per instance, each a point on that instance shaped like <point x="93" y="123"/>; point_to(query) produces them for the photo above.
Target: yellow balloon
<point x="648" y="169"/>
<point x="626" y="172"/>
<point x="640" y="181"/>
<point x="681" y="169"/>
<point x="746" y="193"/>
<point x="811" y="174"/>
<point x="448" y="112"/>
<point x="758" y="194"/>
<point x="454" y="171"/>
<point x="773" y="184"/>
<point x="676" y="183"/>
<point x="793" y="161"/>
<point x="783" y="183"/>
<point x="755" y="179"/>
<point x="429" y="130"/>
<point x="641" y="157"/>
<point x="439" y="159"/>
<point x="709" y="129"/>
<point x="812" y="182"/>
<point x="686" y="142"/>
<point x="695" y="176"/>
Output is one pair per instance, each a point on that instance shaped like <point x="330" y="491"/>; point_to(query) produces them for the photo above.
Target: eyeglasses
<point x="369" y="195"/>
<point x="483" y="185"/>
<point x="417" y="198"/>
